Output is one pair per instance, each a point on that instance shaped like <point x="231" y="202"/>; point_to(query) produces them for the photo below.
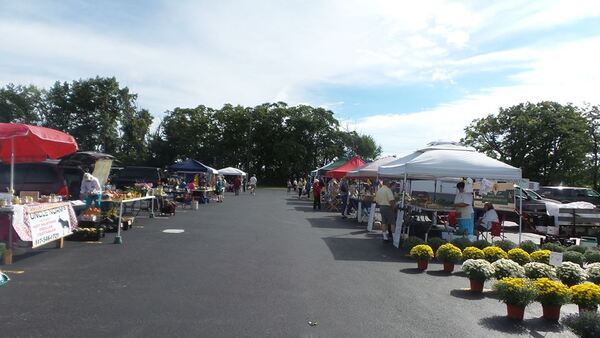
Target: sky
<point x="404" y="72"/>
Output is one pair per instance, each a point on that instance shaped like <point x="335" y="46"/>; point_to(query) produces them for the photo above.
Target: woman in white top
<point x="463" y="202"/>
<point x="485" y="222"/>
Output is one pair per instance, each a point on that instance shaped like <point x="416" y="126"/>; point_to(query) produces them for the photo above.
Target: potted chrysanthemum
<point x="472" y="252"/>
<point x="541" y="256"/>
<point x="586" y="296"/>
<point x="494" y="253"/>
<point x="516" y="293"/>
<point x="571" y="273"/>
<point x="552" y="295"/>
<point x="519" y="255"/>
<point x="593" y="271"/>
<point x="449" y="254"/>
<point x="478" y="271"/>
<point x="535" y="270"/>
<point x="423" y="253"/>
<point x="507" y="268"/>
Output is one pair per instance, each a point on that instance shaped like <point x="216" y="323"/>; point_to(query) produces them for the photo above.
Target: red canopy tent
<point x="343" y="170"/>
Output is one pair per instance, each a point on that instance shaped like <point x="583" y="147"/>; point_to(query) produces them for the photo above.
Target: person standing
<point x="253" y="182"/>
<point x="386" y="202"/>
<point x="220" y="189"/>
<point x="90" y="190"/>
<point x="463" y="202"/>
<point x="344" y="195"/>
<point x="289" y="186"/>
<point x="295" y="184"/>
<point x="237" y="185"/>
<point x="300" y="188"/>
<point x="316" y="190"/>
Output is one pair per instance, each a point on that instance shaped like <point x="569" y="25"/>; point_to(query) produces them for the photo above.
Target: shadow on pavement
<point x="25" y="255"/>
<point x="360" y="232"/>
<point x="535" y="327"/>
<point x="412" y="271"/>
<point x="332" y="222"/>
<point x="467" y="294"/>
<point x="362" y="249"/>
<point x="305" y="208"/>
<point x="439" y="273"/>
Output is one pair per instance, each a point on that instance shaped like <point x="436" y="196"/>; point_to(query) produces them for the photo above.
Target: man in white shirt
<point x="463" y="202"/>
<point x="252" y="182"/>
<point x="386" y="201"/>
<point x="91" y="191"/>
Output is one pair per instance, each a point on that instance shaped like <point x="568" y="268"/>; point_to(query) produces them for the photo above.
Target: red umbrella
<point x="24" y="143"/>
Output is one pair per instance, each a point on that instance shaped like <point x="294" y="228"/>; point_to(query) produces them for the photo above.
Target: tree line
<point x="552" y="143"/>
<point x="272" y="140"/>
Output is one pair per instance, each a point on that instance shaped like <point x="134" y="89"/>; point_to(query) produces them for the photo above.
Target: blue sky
<point x="405" y="72"/>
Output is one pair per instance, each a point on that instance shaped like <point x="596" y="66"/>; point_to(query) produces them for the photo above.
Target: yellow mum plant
<point x="472" y="252"/>
<point x="541" y="256"/>
<point x="449" y="253"/>
<point x="519" y="255"/>
<point x="494" y="253"/>
<point x="552" y="292"/>
<point x="515" y="291"/>
<point x="422" y="251"/>
<point x="586" y="295"/>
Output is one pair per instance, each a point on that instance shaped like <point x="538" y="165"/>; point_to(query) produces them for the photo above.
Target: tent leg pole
<point x="520" y="210"/>
<point x="12" y="165"/>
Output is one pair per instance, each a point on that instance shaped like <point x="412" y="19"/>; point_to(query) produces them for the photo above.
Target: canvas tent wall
<point x="333" y="165"/>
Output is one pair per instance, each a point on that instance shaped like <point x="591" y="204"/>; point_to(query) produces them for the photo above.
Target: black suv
<point x="45" y="177"/>
<point x="129" y="176"/>
<point x="570" y="194"/>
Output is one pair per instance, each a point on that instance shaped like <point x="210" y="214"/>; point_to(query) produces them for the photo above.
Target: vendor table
<point x="39" y="223"/>
<point x="118" y="239"/>
<point x="434" y="217"/>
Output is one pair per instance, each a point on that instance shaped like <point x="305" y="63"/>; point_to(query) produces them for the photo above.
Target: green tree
<point x="21" y="104"/>
<point x="592" y="116"/>
<point x="549" y="141"/>
<point x="135" y="126"/>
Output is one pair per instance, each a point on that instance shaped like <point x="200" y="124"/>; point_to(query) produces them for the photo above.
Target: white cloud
<point x="249" y="52"/>
<point x="567" y="74"/>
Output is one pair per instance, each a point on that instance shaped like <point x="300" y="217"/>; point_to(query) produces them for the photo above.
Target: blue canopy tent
<point x="190" y="166"/>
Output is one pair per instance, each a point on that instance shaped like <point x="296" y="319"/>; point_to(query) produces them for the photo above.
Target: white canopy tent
<point x="370" y="169"/>
<point x="230" y="171"/>
<point x="452" y="161"/>
<point x="446" y="159"/>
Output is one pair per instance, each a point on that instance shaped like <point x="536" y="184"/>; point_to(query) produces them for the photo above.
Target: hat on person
<point x="317" y="180"/>
<point x="88" y="176"/>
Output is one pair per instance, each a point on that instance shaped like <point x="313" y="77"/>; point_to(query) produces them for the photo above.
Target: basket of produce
<point x="86" y="234"/>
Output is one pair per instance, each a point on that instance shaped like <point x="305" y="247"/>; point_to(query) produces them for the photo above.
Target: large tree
<point x="549" y="141"/>
<point x="21" y="104"/>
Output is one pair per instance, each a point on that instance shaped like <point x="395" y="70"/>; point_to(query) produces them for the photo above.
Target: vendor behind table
<point x="91" y="191"/>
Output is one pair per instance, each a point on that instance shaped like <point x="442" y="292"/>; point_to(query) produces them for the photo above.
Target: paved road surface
<point x="260" y="266"/>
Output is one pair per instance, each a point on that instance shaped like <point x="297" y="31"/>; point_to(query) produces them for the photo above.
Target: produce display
<point x="111" y="195"/>
<point x="86" y="234"/>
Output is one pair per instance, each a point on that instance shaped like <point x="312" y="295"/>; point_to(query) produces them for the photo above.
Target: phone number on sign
<point x="46" y="239"/>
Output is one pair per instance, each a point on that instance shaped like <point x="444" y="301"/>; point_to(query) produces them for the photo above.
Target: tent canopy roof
<point x="230" y="171"/>
<point x="449" y="160"/>
<point x="342" y="170"/>
<point x="370" y="169"/>
<point x="192" y="166"/>
<point x="332" y="165"/>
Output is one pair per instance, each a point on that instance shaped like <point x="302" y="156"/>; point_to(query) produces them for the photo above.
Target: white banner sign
<point x="48" y="224"/>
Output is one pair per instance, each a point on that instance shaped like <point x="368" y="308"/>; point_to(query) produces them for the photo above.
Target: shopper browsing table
<point x="490" y="216"/>
<point x="91" y="191"/>
<point x="386" y="202"/>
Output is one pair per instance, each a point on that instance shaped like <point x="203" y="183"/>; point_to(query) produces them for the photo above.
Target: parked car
<point x="129" y="176"/>
<point x="45" y="177"/>
<point x="570" y="194"/>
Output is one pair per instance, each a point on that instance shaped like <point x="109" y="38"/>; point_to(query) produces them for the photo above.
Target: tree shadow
<point x="362" y="249"/>
<point x="333" y="222"/>
<point x="305" y="208"/>
<point x="467" y="294"/>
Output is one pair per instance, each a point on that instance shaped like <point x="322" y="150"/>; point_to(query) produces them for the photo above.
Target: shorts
<point x="387" y="214"/>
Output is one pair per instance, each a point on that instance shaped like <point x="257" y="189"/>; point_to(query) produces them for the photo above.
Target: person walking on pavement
<point x="316" y="190"/>
<point x="220" y="189"/>
<point x="300" y="188"/>
<point x="289" y="186"/>
<point x="253" y="182"/>
<point x="237" y="185"/>
<point x="344" y="195"/>
<point x="386" y="202"/>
